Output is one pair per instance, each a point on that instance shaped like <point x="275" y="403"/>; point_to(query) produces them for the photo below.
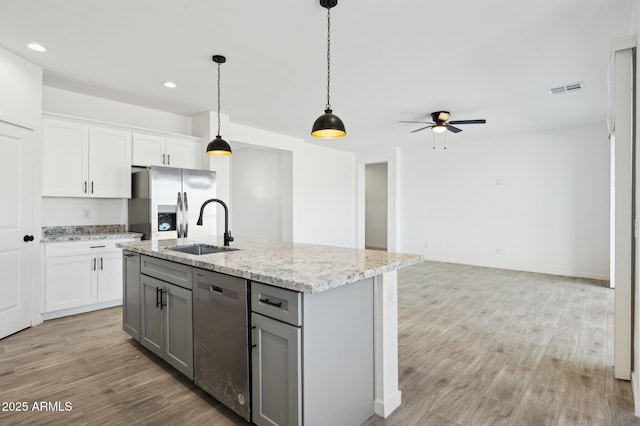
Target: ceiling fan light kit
<point x="440" y="123"/>
<point x="218" y="146"/>
<point x="328" y="125"/>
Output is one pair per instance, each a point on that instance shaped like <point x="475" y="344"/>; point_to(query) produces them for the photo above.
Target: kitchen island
<point x="341" y="302"/>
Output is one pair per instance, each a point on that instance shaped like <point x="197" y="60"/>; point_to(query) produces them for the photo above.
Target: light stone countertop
<point x="58" y="234"/>
<point x="92" y="236"/>
<point x="307" y="268"/>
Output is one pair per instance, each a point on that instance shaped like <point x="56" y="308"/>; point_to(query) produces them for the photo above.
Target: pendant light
<point x="218" y="146"/>
<point x="328" y="125"/>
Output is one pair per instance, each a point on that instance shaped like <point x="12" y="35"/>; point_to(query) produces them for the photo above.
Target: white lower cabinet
<point x="81" y="276"/>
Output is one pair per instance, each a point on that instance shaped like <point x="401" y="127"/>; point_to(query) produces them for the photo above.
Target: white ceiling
<point x="492" y="59"/>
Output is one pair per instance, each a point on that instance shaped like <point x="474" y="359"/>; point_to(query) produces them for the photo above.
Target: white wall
<point x="65" y="102"/>
<point x="376" y="206"/>
<point x="261" y="192"/>
<point x="537" y="202"/>
<point x="20" y="91"/>
<point x="323" y="186"/>
<point x="58" y="211"/>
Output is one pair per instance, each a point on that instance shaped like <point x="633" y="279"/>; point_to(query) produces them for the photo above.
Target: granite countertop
<point x="56" y="234"/>
<point x="307" y="268"/>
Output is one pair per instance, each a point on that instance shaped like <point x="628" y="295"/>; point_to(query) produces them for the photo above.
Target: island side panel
<point x="387" y="395"/>
<point x="338" y="350"/>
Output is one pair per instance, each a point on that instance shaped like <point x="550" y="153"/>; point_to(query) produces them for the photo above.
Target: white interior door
<point x="622" y="214"/>
<point x="16" y="222"/>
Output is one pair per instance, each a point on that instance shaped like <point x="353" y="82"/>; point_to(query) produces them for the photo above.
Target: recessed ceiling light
<point x="37" y="47"/>
<point x="169" y="84"/>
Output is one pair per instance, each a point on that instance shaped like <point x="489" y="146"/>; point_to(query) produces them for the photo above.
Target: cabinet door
<point x="148" y="150"/>
<point x="109" y="163"/>
<point x="276" y="374"/>
<point x="180" y="153"/>
<point x="131" y="294"/>
<point x="152" y="326"/>
<point x="179" y="329"/>
<point x="110" y="275"/>
<point x="64" y="159"/>
<point x="70" y="282"/>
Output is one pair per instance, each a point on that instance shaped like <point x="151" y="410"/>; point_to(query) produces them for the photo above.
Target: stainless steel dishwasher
<point x="221" y="339"/>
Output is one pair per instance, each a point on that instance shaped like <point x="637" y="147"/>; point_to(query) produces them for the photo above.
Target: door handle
<point x="92" y="187"/>
<point x="163" y="156"/>
<point x="169" y="159"/>
<point x="27" y="238"/>
<point x="157" y="296"/>
<point x="180" y="213"/>
<point x="101" y="264"/>
<point x="94" y="263"/>
<point x="85" y="186"/>
<point x="162" y="304"/>
<point x="270" y="303"/>
<point x="185" y="216"/>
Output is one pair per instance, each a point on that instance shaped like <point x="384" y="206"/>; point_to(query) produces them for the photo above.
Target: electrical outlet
<point x="501" y="251"/>
<point x="86" y="213"/>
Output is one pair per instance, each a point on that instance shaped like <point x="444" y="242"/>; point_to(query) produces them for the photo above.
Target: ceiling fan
<point x="440" y="123"/>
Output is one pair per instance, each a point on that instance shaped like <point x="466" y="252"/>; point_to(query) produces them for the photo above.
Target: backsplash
<point x="82" y="229"/>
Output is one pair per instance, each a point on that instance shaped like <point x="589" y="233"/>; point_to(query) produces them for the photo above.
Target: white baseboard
<point x="524" y="268"/>
<point x="81" y="309"/>
<point x="636" y="394"/>
<point x="386" y="407"/>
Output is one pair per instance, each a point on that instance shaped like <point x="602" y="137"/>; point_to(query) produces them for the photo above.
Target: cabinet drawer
<point x="275" y="302"/>
<point x="171" y="272"/>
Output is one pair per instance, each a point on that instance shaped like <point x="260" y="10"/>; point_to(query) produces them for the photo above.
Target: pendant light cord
<point x="218" y="100"/>
<point x="328" y="57"/>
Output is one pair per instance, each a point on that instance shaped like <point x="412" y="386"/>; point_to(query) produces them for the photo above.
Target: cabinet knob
<point x="27" y="238"/>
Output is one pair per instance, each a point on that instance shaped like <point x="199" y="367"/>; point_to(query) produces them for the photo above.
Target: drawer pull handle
<point x="129" y="255"/>
<point x="97" y="247"/>
<point x="215" y="289"/>
<point x="270" y="303"/>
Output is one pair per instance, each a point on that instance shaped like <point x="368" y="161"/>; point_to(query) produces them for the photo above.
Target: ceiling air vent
<point x="567" y="88"/>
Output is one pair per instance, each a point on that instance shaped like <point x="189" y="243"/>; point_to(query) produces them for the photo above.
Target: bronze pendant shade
<point x="328" y="125"/>
<point x="218" y="146"/>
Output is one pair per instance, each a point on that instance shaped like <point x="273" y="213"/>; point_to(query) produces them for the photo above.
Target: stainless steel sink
<point x="200" y="249"/>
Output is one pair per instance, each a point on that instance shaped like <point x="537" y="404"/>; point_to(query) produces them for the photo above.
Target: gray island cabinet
<point x="319" y="323"/>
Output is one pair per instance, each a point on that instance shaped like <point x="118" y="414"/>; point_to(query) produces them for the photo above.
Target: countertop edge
<point x="88" y="237"/>
<point x="303" y="287"/>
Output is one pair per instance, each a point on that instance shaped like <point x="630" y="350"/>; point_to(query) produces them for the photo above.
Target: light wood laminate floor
<point x="477" y="346"/>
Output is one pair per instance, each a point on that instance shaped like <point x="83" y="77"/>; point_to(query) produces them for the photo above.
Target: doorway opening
<point x="375" y="216"/>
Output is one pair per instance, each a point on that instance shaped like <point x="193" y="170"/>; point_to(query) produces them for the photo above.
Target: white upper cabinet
<point x="85" y="161"/>
<point x="150" y="150"/>
<point x="109" y="163"/>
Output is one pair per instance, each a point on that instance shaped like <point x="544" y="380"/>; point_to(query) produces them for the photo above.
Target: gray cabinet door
<point x="152" y="327"/>
<point x="131" y="294"/>
<point x="276" y="374"/>
<point x="179" y="329"/>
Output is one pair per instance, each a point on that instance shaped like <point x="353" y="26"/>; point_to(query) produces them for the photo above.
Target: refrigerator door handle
<point x="185" y="216"/>
<point x="179" y="215"/>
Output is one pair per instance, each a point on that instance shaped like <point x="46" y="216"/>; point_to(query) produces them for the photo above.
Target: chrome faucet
<point x="227" y="234"/>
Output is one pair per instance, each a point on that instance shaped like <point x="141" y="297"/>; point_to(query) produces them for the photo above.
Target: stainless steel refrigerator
<point x="165" y="203"/>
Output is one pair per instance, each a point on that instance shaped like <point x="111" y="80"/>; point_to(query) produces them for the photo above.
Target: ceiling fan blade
<point x="422" y="128"/>
<point x="482" y="121"/>
<point x="453" y="129"/>
<point x="420" y="122"/>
